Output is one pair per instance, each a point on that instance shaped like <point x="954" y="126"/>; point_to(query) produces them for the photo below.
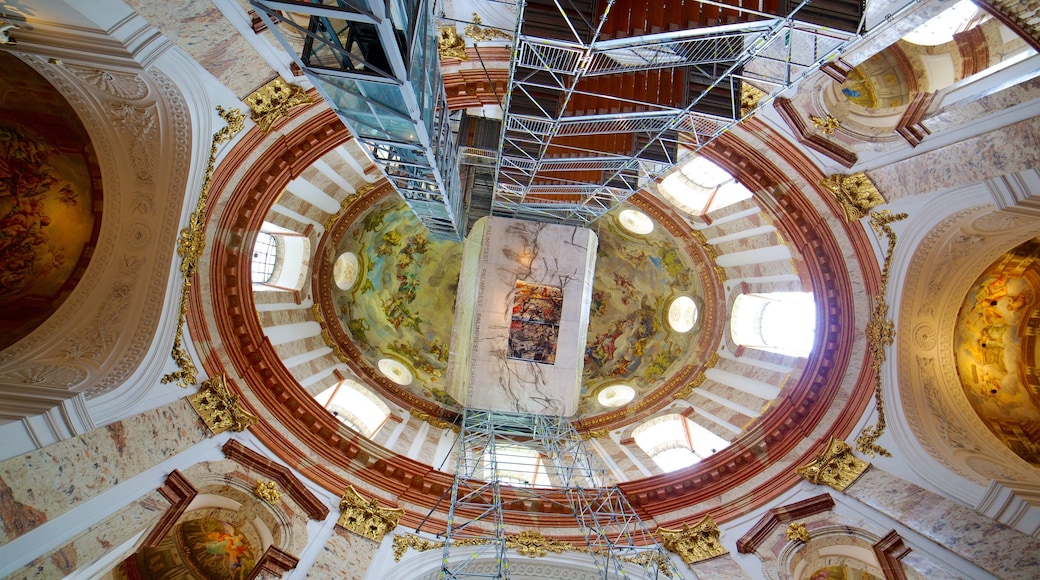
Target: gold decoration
<point x="798" y="532"/>
<point x="478" y="34"/>
<point x="826" y="124"/>
<point x="856" y="194"/>
<point x="594" y="434"/>
<point x="366" y="517"/>
<point x="836" y="466"/>
<point x="535" y="545"/>
<point x="345" y="203"/>
<point x="880" y="333"/>
<point x="190" y="246"/>
<point x="404" y="541"/>
<point x="654" y="558"/>
<point x="687" y="390"/>
<point x="450" y="44"/>
<point x="750" y="96"/>
<point x="267" y="491"/>
<point x="433" y="421"/>
<point x="694" y="543"/>
<point x="273" y="101"/>
<point x="218" y="406"/>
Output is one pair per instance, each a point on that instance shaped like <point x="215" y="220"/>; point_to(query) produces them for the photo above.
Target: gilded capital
<point x="694" y="543"/>
<point x="836" y="467"/>
<point x="273" y="101"/>
<point x="450" y="44"/>
<point x="798" y="532"/>
<point x="856" y="194"/>
<point x="366" y="517"/>
<point x="219" y="407"/>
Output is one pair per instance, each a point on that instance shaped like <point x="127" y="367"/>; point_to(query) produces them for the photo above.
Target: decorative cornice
<point x="278" y="474"/>
<point x="190" y="246"/>
<point x="836" y="467"/>
<point x="366" y="518"/>
<point x="880" y="333"/>
<point x="889" y="551"/>
<point x="767" y="525"/>
<point x="856" y="194"/>
<point x="180" y="493"/>
<point x="273" y="564"/>
<point x="273" y="101"/>
<point x="694" y="543"/>
<point x="809" y="138"/>
<point x="219" y="407"/>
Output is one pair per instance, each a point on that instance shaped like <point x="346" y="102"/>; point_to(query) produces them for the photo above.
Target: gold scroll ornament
<point x="366" y="517"/>
<point x="694" y="543"/>
<point x="219" y="407"/>
<point x="273" y="101"/>
<point x="836" y="467"/>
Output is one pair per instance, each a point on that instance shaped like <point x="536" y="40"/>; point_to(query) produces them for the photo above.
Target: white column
<point x="760" y="389"/>
<point x="392" y="440"/>
<point x="742" y="234"/>
<point x="746" y="411"/>
<point x="734" y="216"/>
<point x="284" y="333"/>
<point x="353" y="163"/>
<point x="420" y="440"/>
<point x="276" y="306"/>
<point x="717" y="420"/>
<point x="310" y="193"/>
<point x="316" y="378"/>
<point x="298" y="217"/>
<point x="769" y="366"/>
<point x="306" y="357"/>
<point x="333" y="176"/>
<point x="756" y="256"/>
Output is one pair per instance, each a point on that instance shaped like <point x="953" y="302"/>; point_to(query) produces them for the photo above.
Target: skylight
<point x="700" y="186"/>
<point x="265" y="256"/>
<point x="354" y="405"/>
<point x="675" y="442"/>
<point x="941" y="28"/>
<point x="782" y="322"/>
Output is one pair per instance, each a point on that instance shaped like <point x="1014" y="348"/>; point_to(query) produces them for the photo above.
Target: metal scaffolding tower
<point x="496" y="451"/>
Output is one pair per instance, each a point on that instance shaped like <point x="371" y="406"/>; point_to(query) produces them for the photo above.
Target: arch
<point x="781" y="322"/>
<point x="675" y="442"/>
<point x="281" y="259"/>
<point x="356" y="405"/>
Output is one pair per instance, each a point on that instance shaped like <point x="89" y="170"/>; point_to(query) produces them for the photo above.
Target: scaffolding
<point x="495" y="452"/>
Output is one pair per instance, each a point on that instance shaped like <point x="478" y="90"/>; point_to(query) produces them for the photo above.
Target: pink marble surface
<point x="720" y="567"/>
<point x="97" y="541"/>
<point x="198" y="28"/>
<point x="1007" y="150"/>
<point x="346" y="555"/>
<point x="1000" y="550"/>
<point x="45" y="483"/>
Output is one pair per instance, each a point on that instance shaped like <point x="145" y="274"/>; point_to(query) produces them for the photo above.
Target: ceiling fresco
<point x="402" y="303"/>
<point x="50" y="200"/>
<point x="996" y="346"/>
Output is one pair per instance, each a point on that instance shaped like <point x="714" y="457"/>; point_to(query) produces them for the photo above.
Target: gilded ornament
<point x="535" y="545"/>
<point x="450" y="44"/>
<point x="594" y="434"/>
<point x="404" y="541"/>
<point x="687" y="390"/>
<point x="750" y="96"/>
<point x="219" y="407"/>
<point x="880" y="333"/>
<point x="190" y="245"/>
<point x="836" y="467"/>
<point x="273" y="101"/>
<point x="694" y="543"/>
<point x="826" y="124"/>
<point x="653" y="558"/>
<point x="798" y="532"/>
<point x="476" y="33"/>
<point x="856" y="194"/>
<point x="267" y="491"/>
<point x="366" y="517"/>
<point x="433" y="421"/>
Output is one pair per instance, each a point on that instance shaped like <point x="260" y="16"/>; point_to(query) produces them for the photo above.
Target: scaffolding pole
<point x="495" y="451"/>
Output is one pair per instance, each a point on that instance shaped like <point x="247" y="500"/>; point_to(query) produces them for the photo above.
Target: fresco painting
<point x="995" y="346"/>
<point x="403" y="304"/>
<point x="49" y="201"/>
<point x="841" y="573"/>
<point x="534" y="328"/>
<point x="636" y="279"/>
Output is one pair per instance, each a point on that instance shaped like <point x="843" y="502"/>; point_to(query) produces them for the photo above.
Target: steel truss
<point x="536" y="177"/>
<point x="493" y="449"/>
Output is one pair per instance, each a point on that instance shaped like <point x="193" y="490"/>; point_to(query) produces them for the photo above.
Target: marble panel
<point x="496" y="364"/>
<point x="45" y="483"/>
<point x="719" y="567"/>
<point x="346" y="555"/>
<point x="199" y="28"/>
<point x="98" y="540"/>
<point x="992" y="546"/>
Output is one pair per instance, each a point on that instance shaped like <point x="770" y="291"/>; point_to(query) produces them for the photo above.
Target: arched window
<point x="355" y="405"/>
<point x="265" y="255"/>
<point x="782" y="322"/>
<point x="281" y="258"/>
<point x="516" y="465"/>
<point x="700" y="186"/>
<point x="674" y="442"/>
<point x="942" y="27"/>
